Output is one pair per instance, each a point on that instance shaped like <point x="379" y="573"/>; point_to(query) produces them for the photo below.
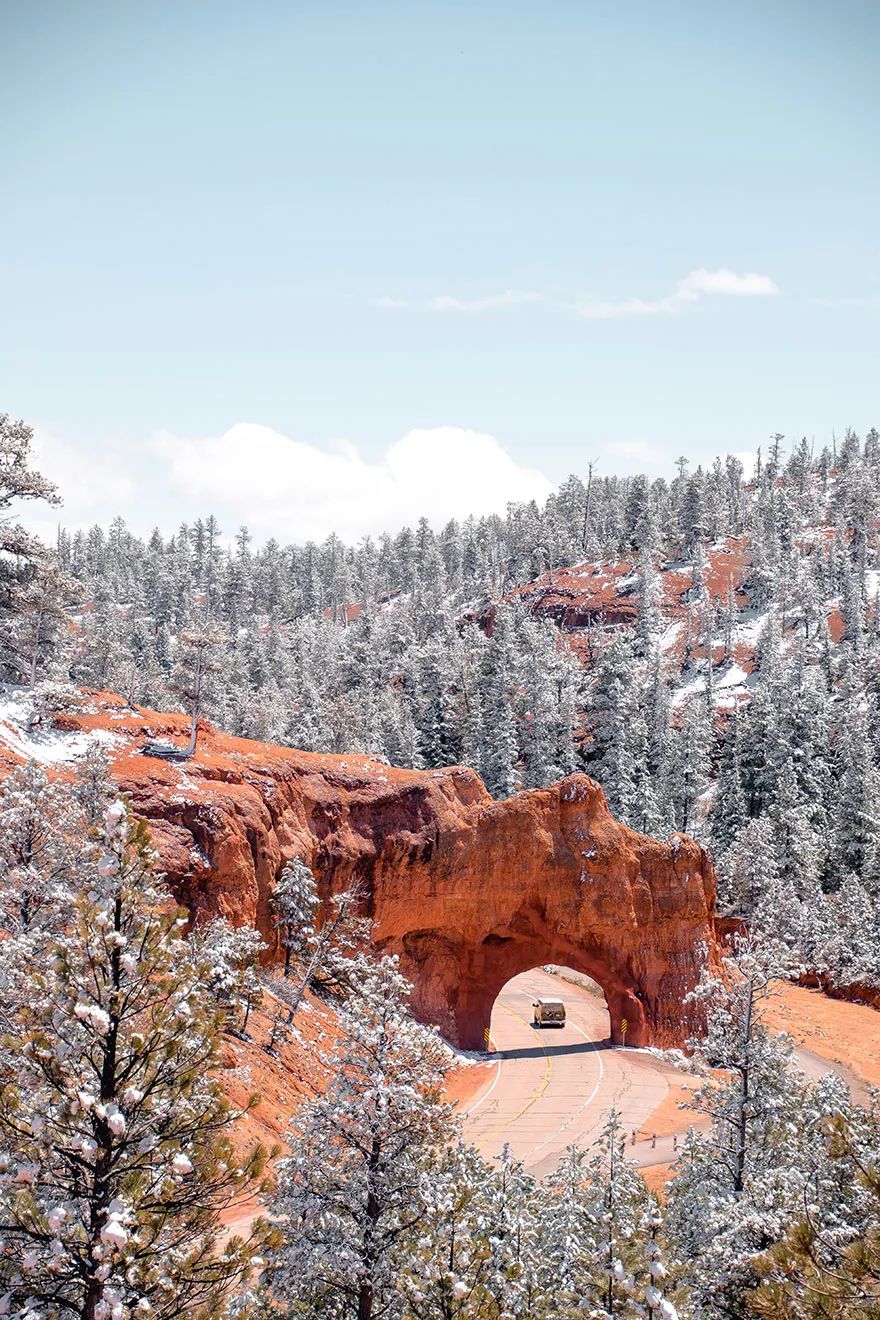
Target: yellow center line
<point x="539" y="1091"/>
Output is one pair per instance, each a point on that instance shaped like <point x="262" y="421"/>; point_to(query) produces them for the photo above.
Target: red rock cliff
<point x="468" y="891"/>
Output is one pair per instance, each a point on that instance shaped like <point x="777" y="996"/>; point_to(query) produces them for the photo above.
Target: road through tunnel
<point x="497" y="960"/>
<point x="518" y="997"/>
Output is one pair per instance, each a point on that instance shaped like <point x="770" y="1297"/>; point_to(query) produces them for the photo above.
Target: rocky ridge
<point x="467" y="890"/>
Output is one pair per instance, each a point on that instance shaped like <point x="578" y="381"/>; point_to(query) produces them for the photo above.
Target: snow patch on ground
<point x="670" y="636"/>
<point x="747" y="634"/>
<point x="46" y="745"/>
<point x="692" y="689"/>
<point x="735" y="676"/>
<point x="468" y="1058"/>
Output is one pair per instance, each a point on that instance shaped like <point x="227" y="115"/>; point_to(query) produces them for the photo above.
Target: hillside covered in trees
<point x="706" y="647"/>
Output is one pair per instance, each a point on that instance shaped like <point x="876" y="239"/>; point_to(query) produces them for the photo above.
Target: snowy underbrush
<point x="27" y="728"/>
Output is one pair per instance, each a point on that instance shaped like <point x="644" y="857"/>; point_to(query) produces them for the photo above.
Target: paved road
<point x="553" y="1087"/>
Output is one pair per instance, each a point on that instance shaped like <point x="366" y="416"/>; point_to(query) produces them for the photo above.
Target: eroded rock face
<point x="468" y="891"/>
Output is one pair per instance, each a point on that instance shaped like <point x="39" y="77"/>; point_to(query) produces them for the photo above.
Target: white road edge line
<point x="485" y="1096"/>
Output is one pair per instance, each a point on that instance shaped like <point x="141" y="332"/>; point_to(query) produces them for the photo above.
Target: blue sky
<point x="319" y="222"/>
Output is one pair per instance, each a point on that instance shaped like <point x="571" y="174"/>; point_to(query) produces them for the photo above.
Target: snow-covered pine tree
<point x="567" y="1230"/>
<point x="514" y="1233"/>
<point x="453" y="1271"/>
<point x="294" y="906"/>
<point x="851" y="951"/>
<point x="649" y="619"/>
<point x="824" y="1268"/>
<point x="38" y="637"/>
<point x="548" y="681"/>
<point x="228" y="957"/>
<point x="351" y="1194"/>
<point x="41" y="838"/>
<point x="737" y="1185"/>
<point x="116" y="1156"/>
<point x="198" y="661"/>
<point x="856" y="799"/>
<point x="748" y="868"/>
<point x="689" y="764"/>
<point x="609" y="713"/>
<point x="499" y="733"/>
<point x="23" y="556"/>
<point x="616" y="1205"/>
<point x="93" y="787"/>
<point x="437" y="716"/>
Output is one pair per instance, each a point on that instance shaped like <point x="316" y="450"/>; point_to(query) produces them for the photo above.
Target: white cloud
<point x="93" y="487"/>
<point x="84" y="480"/>
<point x="749" y="460"/>
<point x="696" y="286"/>
<point x="609" y="311"/>
<point x="702" y="283"/>
<point x="283" y="487"/>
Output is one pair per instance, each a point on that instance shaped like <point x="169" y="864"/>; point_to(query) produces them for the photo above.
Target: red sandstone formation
<point x="468" y="891"/>
<point x="608" y="592"/>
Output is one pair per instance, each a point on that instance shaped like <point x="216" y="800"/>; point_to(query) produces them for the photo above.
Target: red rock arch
<point x="466" y="890"/>
<point x="551" y="877"/>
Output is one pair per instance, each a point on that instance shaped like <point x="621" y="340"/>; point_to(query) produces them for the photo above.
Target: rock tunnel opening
<point x="587" y="1019"/>
<point x="499" y="958"/>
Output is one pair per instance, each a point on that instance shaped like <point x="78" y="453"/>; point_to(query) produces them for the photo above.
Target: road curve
<point x="551" y="1087"/>
<point x="554" y="1087"/>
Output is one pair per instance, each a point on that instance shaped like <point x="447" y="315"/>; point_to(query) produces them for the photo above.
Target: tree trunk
<point x="197" y="698"/>
<point x="35" y="654"/>
<point x="742" y="1124"/>
<point x="587" y="507"/>
<point x="365" y="1296"/>
<point x="99" y="1192"/>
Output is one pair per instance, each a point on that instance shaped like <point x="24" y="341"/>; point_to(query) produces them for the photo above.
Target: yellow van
<point x="548" y="1013"/>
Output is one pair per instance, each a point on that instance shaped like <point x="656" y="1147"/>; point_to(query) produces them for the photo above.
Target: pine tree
<point x="116" y="1155"/>
<point x="600" y="1236"/>
<point x="728" y="811"/>
<point x="351" y="1195"/>
<point x="38" y="635"/>
<point x="198" y="661"/>
<point x="688" y="775"/>
<point x="817" y="1272"/>
<point x="336" y="955"/>
<point x="851" y="953"/>
<point x="856" y="810"/>
<point x="294" y="905"/>
<point x="23" y="558"/>
<point x="650" y="617"/>
<point x="40" y="840"/>
<point x="228" y="957"/>
<point x="453" y="1272"/>
<point x="734" y="1187"/>
<point x="610" y="711"/>
<point x="93" y="787"/>
<point x="499" y="734"/>
<point x="514" y="1220"/>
